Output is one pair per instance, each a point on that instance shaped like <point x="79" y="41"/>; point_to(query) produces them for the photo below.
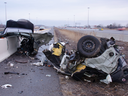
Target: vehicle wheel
<point x="88" y="46"/>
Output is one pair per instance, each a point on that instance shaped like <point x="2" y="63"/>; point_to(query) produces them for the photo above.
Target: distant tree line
<point x="112" y="26"/>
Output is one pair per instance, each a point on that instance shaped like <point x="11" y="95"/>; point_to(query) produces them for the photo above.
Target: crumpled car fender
<point x="107" y="62"/>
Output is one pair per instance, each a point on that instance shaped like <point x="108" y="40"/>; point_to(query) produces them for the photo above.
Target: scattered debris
<point x="120" y="48"/>
<point x="6" y="86"/>
<point x="20" y="92"/>
<point x="49" y="65"/>
<point x="16" y="73"/>
<point x="10" y="64"/>
<point x="107" y="80"/>
<point x="11" y="73"/>
<point x="48" y="75"/>
<point x="32" y="58"/>
<point x="67" y="77"/>
<point x="23" y="74"/>
<point x="87" y="80"/>
<point x="38" y="64"/>
<point x="45" y="62"/>
<point x="21" y="61"/>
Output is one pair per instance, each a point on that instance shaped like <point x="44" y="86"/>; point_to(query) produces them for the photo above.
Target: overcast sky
<point x="61" y="12"/>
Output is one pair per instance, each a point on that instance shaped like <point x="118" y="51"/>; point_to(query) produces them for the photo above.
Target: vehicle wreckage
<point x="94" y="60"/>
<point x="19" y="36"/>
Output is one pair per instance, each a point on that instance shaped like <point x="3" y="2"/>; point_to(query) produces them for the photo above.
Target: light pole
<point x="88" y="17"/>
<point x="29" y="16"/>
<point x="68" y="21"/>
<point x="74" y="21"/>
<point x="5" y="12"/>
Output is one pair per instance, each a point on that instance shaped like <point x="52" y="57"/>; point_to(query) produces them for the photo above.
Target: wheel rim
<point x="88" y="46"/>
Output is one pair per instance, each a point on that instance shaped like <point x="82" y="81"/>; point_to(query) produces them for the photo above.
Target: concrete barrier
<point x="8" y="46"/>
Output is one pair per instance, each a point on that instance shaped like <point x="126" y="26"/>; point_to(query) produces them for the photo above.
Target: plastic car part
<point x="57" y="49"/>
<point x="78" y="74"/>
<point x="88" y="46"/>
<point x="121" y="73"/>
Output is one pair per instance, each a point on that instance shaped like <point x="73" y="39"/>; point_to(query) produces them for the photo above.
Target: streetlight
<point x="5" y="12"/>
<point x="74" y="21"/>
<point x="29" y="16"/>
<point x="68" y="21"/>
<point x="88" y="16"/>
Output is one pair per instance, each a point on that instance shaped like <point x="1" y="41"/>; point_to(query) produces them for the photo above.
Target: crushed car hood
<point x="41" y="39"/>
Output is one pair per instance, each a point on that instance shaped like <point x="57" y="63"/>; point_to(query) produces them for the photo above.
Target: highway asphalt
<point x="98" y="30"/>
<point x="118" y="35"/>
<point x="27" y="79"/>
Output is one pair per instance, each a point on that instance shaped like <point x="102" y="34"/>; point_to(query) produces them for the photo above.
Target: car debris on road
<point x="6" y="86"/>
<point x="38" y="63"/>
<point x="10" y="64"/>
<point x="48" y="75"/>
<point x="16" y="73"/>
<point x="11" y="73"/>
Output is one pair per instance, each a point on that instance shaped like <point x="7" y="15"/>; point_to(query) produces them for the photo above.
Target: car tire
<point x="88" y="46"/>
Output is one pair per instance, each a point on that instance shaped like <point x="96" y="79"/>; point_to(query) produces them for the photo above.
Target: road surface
<point x="31" y="80"/>
<point x="118" y="35"/>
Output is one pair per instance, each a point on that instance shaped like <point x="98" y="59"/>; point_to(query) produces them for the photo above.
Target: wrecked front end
<point x="30" y="44"/>
<point x="26" y="41"/>
<point x="94" y="60"/>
